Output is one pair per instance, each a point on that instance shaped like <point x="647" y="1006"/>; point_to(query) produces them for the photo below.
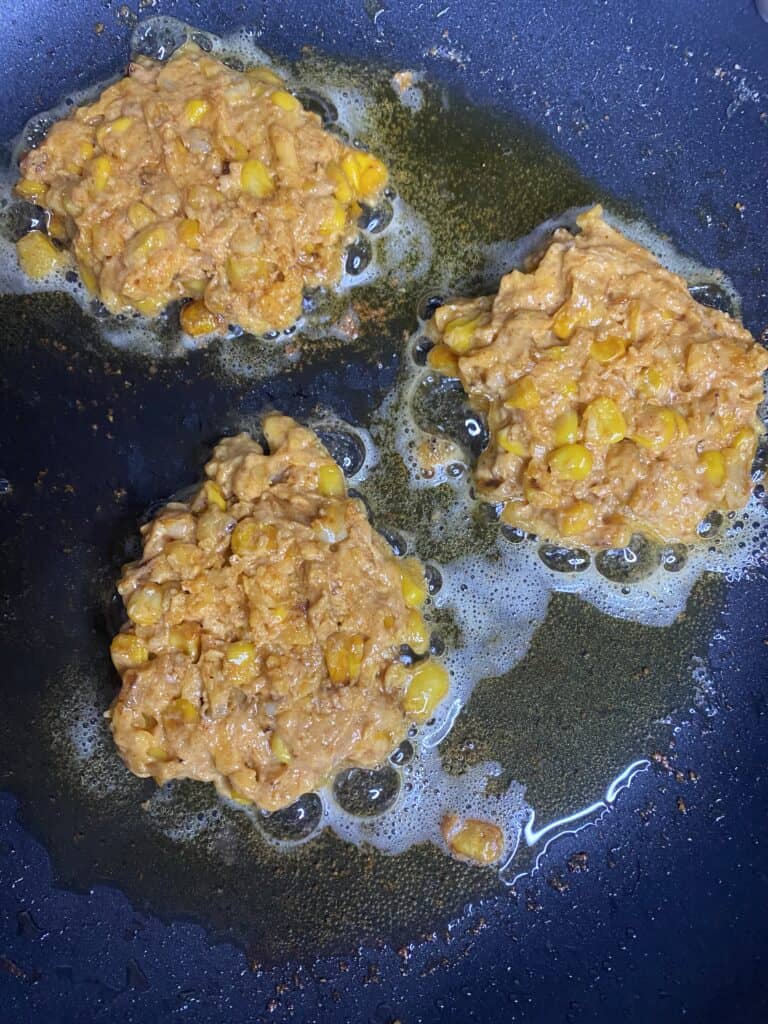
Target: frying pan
<point x="656" y="911"/>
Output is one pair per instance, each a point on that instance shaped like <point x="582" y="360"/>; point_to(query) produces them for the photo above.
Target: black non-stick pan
<point x="650" y="907"/>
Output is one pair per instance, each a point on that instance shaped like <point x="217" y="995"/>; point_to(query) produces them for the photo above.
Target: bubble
<point x="293" y="823"/>
<point x="630" y="564"/>
<point x="158" y="38"/>
<point x="434" y="579"/>
<point x="711" y="525"/>
<point x="428" y="305"/>
<point x="359" y="255"/>
<point x="374" y="219"/>
<point x="562" y="559"/>
<point x="714" y="296"/>
<point x="513" y="533"/>
<point x="403" y="754"/>
<point x="674" y="557"/>
<point x="365" y="792"/>
<point x="318" y="104"/>
<point x="346" y="448"/>
<point x="420" y="350"/>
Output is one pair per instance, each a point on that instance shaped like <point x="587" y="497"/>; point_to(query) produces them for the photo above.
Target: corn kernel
<point x="185" y="638"/>
<point x="604" y="422"/>
<point x="28" y="188"/>
<point x="184" y="709"/>
<point x="427" y="686"/>
<point x="195" y="110"/>
<point x="264" y="74"/>
<point x="197" y="319"/>
<point x="656" y="429"/>
<point x="342" y="190"/>
<point x="88" y="277"/>
<point x="240" y="654"/>
<point x="189" y="233"/>
<point x="555" y="352"/>
<point x="365" y="173"/>
<point x="157" y="752"/>
<point x="565" y="322"/>
<point x="150" y="306"/>
<point x="148" y="240"/>
<point x="182" y="554"/>
<point x="248" y="536"/>
<point x="507" y="441"/>
<point x="214" y="495"/>
<point x="57" y="227"/>
<point x="145" y="606"/>
<point x="651" y="381"/>
<point x="280" y="748"/>
<point x="413" y="584"/>
<point x="336" y="221"/>
<point x="235" y="149"/>
<point x="344" y="657"/>
<point x="38" y="256"/>
<point x="577" y="518"/>
<point x="128" y="651"/>
<point x="101" y="171"/>
<point x="475" y="840"/>
<point x="330" y="481"/>
<point x="255" y="179"/>
<point x="242" y="271"/>
<point x="571" y="462"/>
<point x="140" y="216"/>
<point x="117" y="127"/>
<point x="523" y="394"/>
<point x="285" y="100"/>
<point x="565" y="429"/>
<point x="608" y="349"/>
<point x="569" y="388"/>
<point x="713" y="467"/>
<point x="280" y="612"/>
<point x="744" y="442"/>
<point x="416" y="632"/>
<point x="459" y="333"/>
<point x="442" y="359"/>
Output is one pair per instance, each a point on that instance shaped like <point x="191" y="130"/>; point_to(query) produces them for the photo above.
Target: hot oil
<point x="557" y="676"/>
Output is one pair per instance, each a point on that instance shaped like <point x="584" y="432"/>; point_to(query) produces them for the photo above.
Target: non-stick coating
<point x="658" y="912"/>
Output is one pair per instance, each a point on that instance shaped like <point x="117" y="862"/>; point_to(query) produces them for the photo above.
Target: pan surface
<point x="666" y="110"/>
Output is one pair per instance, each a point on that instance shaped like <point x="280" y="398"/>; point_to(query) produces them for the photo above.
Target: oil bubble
<point x="562" y="559"/>
<point x="293" y="823"/>
<point x="374" y="219"/>
<point x="628" y="565"/>
<point x="366" y="792"/>
<point x="403" y="754"/>
<point x="674" y="557"/>
<point x="346" y="448"/>
<point x="318" y="104"/>
<point x="359" y="255"/>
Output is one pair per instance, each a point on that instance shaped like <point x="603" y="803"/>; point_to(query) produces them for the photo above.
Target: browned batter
<point x="615" y="402"/>
<point x="187" y="179"/>
<point x="265" y="624"/>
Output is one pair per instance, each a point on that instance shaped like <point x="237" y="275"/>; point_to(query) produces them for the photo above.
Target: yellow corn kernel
<point x="283" y="99"/>
<point x="38" y="256"/>
<point x="577" y="518"/>
<point x="242" y="271"/>
<point x="189" y="233"/>
<point x="185" y="710"/>
<point x="57" y="227"/>
<point x="651" y="381"/>
<point x="279" y="748"/>
<point x="197" y="319"/>
<point x="604" y="422"/>
<point x="608" y="349"/>
<point x="214" y="495"/>
<point x="571" y="462"/>
<point x="195" y="110"/>
<point x="28" y="188"/>
<point x="416" y="632"/>
<point x="569" y="388"/>
<point x="330" y="481"/>
<point x="509" y="443"/>
<point x="442" y="359"/>
<point x="565" y="322"/>
<point x="117" y="127"/>
<point x="182" y="554"/>
<point x="240" y="653"/>
<point x="365" y="173"/>
<point x="336" y="221"/>
<point x="140" y="216"/>
<point x="459" y="333"/>
<point x="235" y="149"/>
<point x="713" y="466"/>
<point x="101" y="171"/>
<point x="344" y="657"/>
<point x="194" y="287"/>
<point x="149" y="306"/>
<point x="523" y="394"/>
<point x="681" y="424"/>
<point x="248" y="536"/>
<point x="88" y="277"/>
<point x="412" y="582"/>
<point x="565" y="429"/>
<point x="476" y="840"/>
<point x="280" y="612"/>
<point x="186" y="638"/>
<point x="744" y="442"/>
<point x="145" y="606"/>
<point x="426" y="687"/>
<point x="128" y="651"/>
<point x="555" y="352"/>
<point x="255" y="179"/>
<point x="156" y="752"/>
<point x="264" y="74"/>
<point x="657" y="429"/>
<point x="148" y="240"/>
<point x="285" y="151"/>
<point x="342" y="190"/>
